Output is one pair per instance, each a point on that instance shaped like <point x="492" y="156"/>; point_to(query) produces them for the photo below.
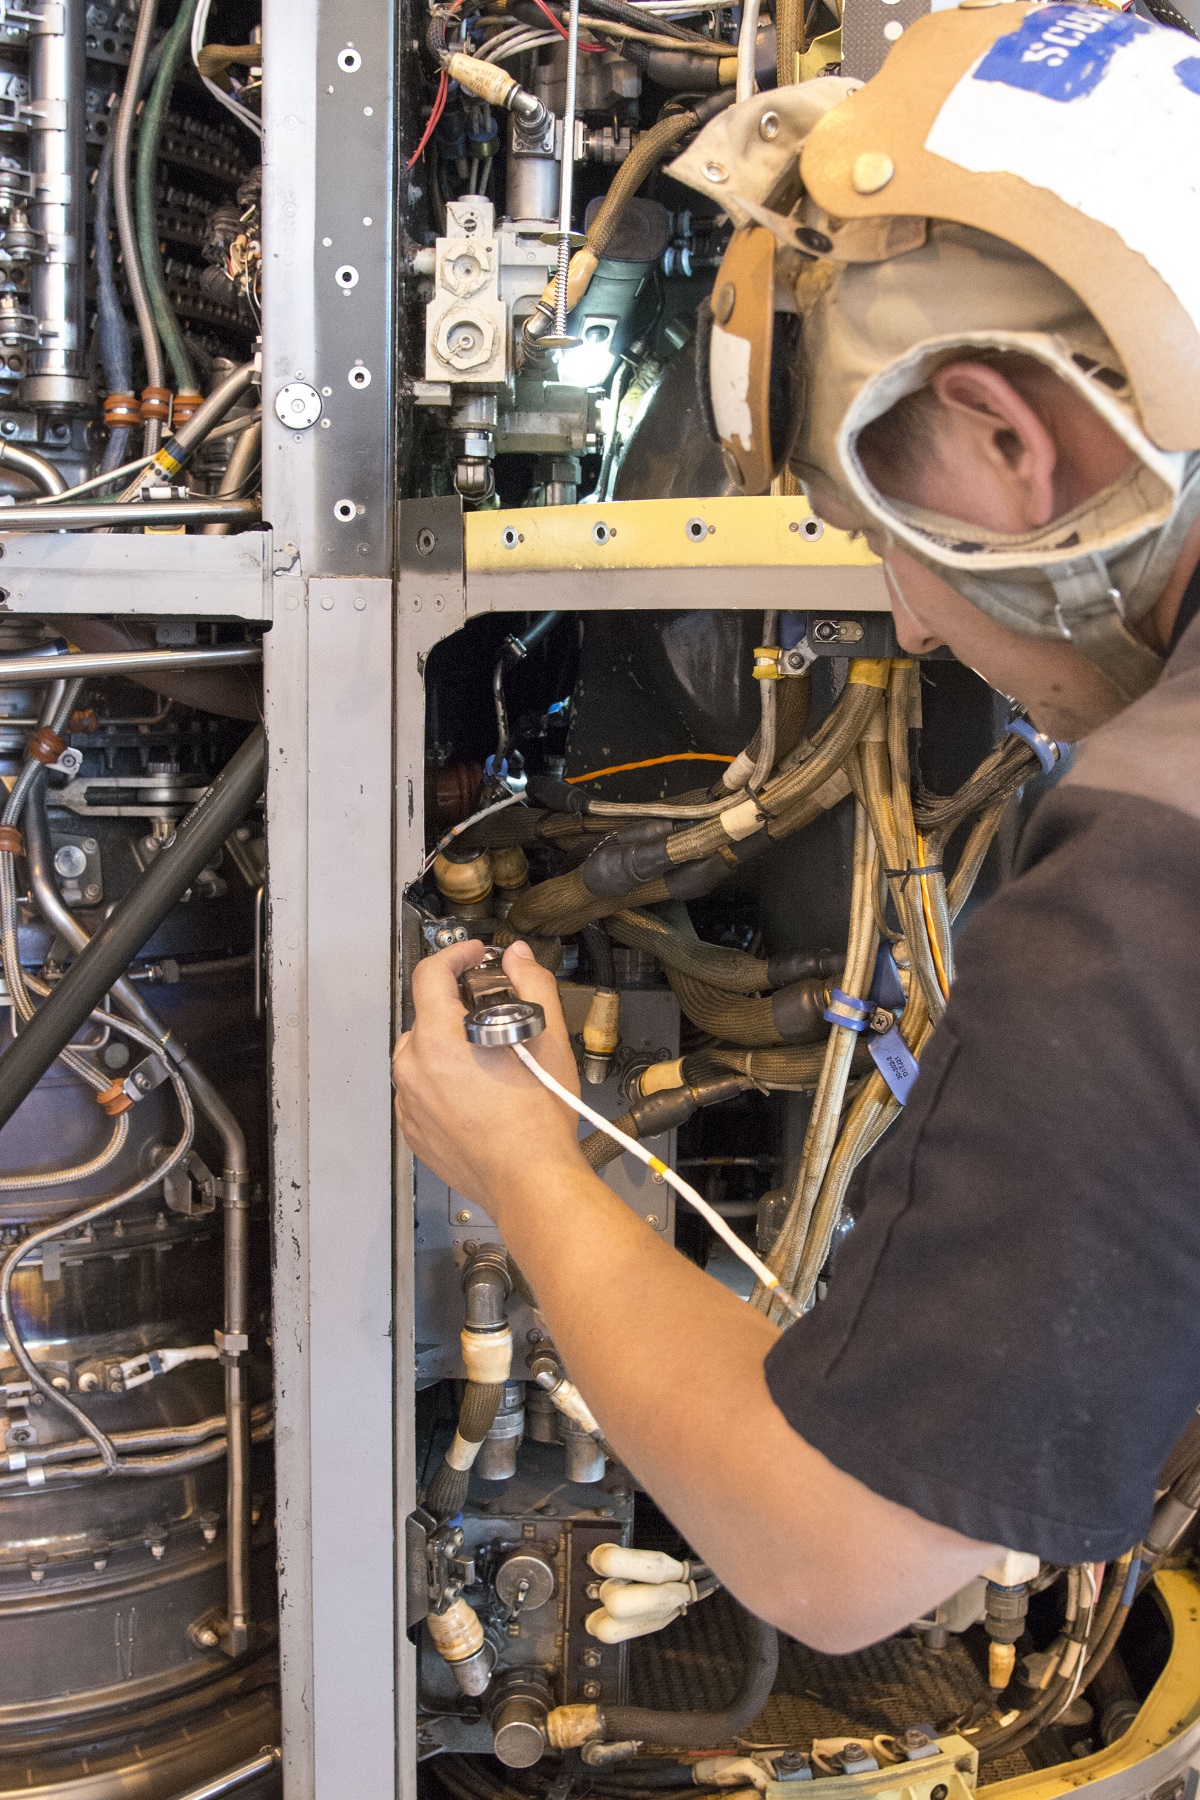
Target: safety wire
<point x="657" y="1167"/>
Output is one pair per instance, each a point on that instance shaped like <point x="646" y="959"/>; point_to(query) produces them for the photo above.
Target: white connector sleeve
<point x="641" y="1600"/>
<point x="601" y="1624"/>
<point x="683" y="1188"/>
<point x="621" y="1564"/>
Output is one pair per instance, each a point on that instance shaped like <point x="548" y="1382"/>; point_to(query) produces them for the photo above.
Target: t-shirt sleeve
<point x="1010" y="1342"/>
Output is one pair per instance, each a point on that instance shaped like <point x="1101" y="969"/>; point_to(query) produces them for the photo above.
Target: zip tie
<point x="757" y="1267"/>
<point x="905" y="875"/>
<point x="1044" y="748"/>
<point x="845" y="1010"/>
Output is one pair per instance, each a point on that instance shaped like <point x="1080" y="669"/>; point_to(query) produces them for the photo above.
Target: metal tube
<point x="36" y="467"/>
<point x="236" y="1191"/>
<point x="17" y="670"/>
<point x="746" y="49"/>
<point x="240" y="467"/>
<point x="122" y="935"/>
<point x="106" y="517"/>
<point x="566" y="187"/>
<point x="123" y="207"/>
<point x="262" y="1764"/>
<point x="57" y="212"/>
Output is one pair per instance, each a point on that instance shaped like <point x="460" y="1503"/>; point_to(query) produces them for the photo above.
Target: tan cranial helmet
<point x="1016" y="178"/>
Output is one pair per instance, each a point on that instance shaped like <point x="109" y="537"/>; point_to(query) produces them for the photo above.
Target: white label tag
<point x="729" y="380"/>
<point x="1102" y="110"/>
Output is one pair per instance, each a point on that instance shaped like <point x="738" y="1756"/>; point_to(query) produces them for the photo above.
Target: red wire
<point x="435" y="113"/>
<point x="595" y="49"/>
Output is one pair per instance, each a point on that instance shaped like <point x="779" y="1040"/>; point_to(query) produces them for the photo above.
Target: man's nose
<point x="912" y="638"/>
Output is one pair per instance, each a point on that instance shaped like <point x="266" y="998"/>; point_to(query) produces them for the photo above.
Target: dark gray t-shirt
<point x="1010" y="1344"/>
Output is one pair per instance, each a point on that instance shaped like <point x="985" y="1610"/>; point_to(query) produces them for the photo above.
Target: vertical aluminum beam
<point x="328" y="665"/>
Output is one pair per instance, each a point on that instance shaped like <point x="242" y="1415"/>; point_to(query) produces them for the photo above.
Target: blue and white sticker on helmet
<point x="1102" y="109"/>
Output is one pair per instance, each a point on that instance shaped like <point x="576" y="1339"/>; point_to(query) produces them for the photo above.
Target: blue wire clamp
<point x="844" y="1009"/>
<point x="1044" y="748"/>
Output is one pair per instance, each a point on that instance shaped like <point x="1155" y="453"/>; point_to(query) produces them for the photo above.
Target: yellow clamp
<point x="766" y="662"/>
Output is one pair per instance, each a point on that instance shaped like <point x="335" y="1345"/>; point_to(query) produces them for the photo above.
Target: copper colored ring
<point x="44" y="745"/>
<point x="114" y="1100"/>
<point x="11" y="840"/>
<point x="156" y="403"/>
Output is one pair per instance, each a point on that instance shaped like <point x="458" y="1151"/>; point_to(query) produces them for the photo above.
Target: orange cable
<point x="651" y="762"/>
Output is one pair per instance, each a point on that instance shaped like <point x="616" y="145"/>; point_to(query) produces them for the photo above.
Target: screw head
<point x="872" y="171"/>
<point x="652" y="1220"/>
<point x="724" y="302"/>
<point x="463" y="1218"/>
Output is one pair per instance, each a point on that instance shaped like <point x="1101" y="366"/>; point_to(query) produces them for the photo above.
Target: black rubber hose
<point x="120" y="938"/>
<point x="537" y="631"/>
<point x="706" y="1730"/>
<point x="601" y="961"/>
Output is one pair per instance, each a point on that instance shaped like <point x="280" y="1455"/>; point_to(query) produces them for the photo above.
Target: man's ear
<point x="1005" y="432"/>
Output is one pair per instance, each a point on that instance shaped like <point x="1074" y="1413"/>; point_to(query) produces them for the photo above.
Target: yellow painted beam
<point x="774" y="532"/>
<point x="1172" y="1704"/>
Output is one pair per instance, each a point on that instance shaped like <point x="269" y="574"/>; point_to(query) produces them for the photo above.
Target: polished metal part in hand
<point x="496" y="1017"/>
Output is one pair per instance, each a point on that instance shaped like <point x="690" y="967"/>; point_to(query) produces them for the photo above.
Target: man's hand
<point x="476" y="1117"/>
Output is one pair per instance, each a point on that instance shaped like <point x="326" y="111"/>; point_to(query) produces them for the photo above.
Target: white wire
<point x="485" y="812"/>
<point x="199" y="26"/>
<point x="520" y="43"/>
<point x="682" y="1187"/>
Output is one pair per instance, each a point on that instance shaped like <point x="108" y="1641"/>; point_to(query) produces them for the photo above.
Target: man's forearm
<point x="672" y="1365"/>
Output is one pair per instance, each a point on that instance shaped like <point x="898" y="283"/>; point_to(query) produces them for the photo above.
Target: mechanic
<point x="1000" y="370"/>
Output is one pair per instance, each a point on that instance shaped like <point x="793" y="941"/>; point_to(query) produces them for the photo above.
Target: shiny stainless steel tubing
<point x="16" y="670"/>
<point x="27" y="462"/>
<point x="98" y="516"/>
<point x="57" y="115"/>
<point x="233" y="1779"/>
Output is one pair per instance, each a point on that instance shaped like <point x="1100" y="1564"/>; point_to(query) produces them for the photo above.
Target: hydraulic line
<point x="746" y="47"/>
<point x="856" y="708"/>
<point x="122" y="935"/>
<point x="235" y="1189"/>
<point x="794" y="1014"/>
<point x="670" y="937"/>
<point x="27" y="462"/>
<point x="665" y="1110"/>
<point x="790" y="41"/>
<point x="87" y="1215"/>
<point x="73" y="1173"/>
<point x="243" y="460"/>
<point x="821" y="1135"/>
<point x="75" y="664"/>
<point x="112" y="330"/>
<point x="177" y="450"/>
<point x="706" y="1730"/>
<point x="683" y="1188"/>
<point x="173" y="51"/>
<point x="71" y="515"/>
<point x="651" y="148"/>
<point x="123" y="208"/>
<point x="487" y="1355"/>
<point x="514" y="650"/>
<point x="745" y="771"/>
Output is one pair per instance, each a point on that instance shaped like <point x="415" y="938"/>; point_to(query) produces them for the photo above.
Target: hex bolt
<point x="591" y="1659"/>
<point x="591" y="1690"/>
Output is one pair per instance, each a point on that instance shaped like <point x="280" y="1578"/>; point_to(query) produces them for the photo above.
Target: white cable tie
<point x="724" y="1231"/>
